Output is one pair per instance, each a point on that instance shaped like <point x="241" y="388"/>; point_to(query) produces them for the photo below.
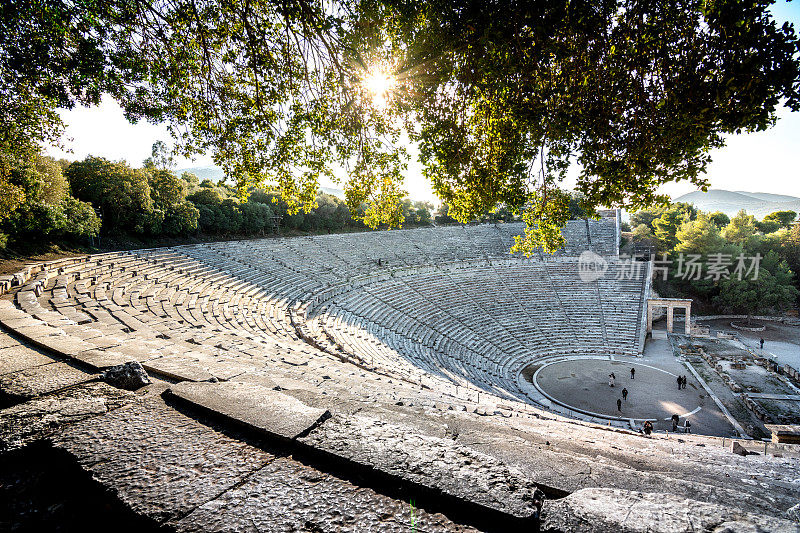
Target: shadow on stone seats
<point x="429" y="499"/>
<point x="44" y="489"/>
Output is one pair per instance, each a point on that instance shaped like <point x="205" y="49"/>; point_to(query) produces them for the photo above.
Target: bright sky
<point x="757" y="162"/>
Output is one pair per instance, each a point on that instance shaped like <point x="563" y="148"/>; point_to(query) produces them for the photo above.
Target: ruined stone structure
<point x="670" y="304"/>
<point x="323" y="383"/>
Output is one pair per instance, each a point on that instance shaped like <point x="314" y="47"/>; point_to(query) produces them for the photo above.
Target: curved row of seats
<point x="482" y="323"/>
<point x="221" y="309"/>
<point x="185" y="320"/>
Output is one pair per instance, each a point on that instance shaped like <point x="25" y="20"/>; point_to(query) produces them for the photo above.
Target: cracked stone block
<point x="436" y="463"/>
<point x="257" y="407"/>
<point x="36" y="381"/>
<point x="289" y="496"/>
<point x="160" y="462"/>
<point x="7" y="341"/>
<point x="613" y="510"/>
<point x="19" y="357"/>
<point x="40" y="417"/>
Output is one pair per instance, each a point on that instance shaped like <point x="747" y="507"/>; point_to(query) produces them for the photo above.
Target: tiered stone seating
<point x="483" y="322"/>
<point x="447" y="307"/>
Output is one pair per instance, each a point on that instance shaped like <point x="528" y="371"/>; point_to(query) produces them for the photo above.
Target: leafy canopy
<point x="499" y="96"/>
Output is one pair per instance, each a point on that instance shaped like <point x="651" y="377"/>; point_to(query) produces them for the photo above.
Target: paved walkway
<point x="653" y="394"/>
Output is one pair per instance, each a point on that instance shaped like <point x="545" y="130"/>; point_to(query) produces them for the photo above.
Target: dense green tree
<point x="120" y="193"/>
<point x="46" y="209"/>
<point x="256" y="217"/>
<point x="166" y="189"/>
<point x="719" y="219"/>
<point x="699" y="236"/>
<point x="181" y="219"/>
<point x="191" y="180"/>
<point x="770" y="291"/>
<point x="417" y="213"/>
<point x="646" y="216"/>
<point x="206" y="196"/>
<point x="423" y="212"/>
<point x="767" y="226"/>
<point x="500" y="96"/>
<point x="665" y="227"/>
<point x="168" y="193"/>
<point x="642" y="233"/>
<point x="741" y="228"/>
<point x="784" y="219"/>
<point x="790" y="250"/>
<point x="762" y="244"/>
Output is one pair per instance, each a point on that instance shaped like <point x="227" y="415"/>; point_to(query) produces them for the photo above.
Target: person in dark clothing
<point x="680" y="382"/>
<point x="761" y="342"/>
<point x="675" y="420"/>
<point x="684" y="382"/>
<point x="625" y="394"/>
<point x="633" y="371"/>
<point x="538" y="502"/>
<point x="619" y="404"/>
<point x="688" y="426"/>
<point x="648" y="427"/>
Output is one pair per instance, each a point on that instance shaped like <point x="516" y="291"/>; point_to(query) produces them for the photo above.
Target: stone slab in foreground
<point x="433" y="462"/>
<point x="39" y="380"/>
<point x="160" y="462"/>
<point x="41" y="417"/>
<point x="613" y="510"/>
<point x="288" y="496"/>
<point x="18" y="357"/>
<point x="257" y="407"/>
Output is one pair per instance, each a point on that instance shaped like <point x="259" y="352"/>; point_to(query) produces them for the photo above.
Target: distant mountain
<point x="759" y="204"/>
<point x="768" y="197"/>
<point x="204" y="173"/>
<point x="216" y="174"/>
<point x="339" y="193"/>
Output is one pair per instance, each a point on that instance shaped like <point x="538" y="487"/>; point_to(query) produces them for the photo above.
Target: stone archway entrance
<point x="671" y="304"/>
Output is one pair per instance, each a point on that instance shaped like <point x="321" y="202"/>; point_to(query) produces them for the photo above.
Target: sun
<point x="380" y="84"/>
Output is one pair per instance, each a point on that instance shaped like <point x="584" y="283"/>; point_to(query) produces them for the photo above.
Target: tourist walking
<point x="761" y="342"/>
<point x="680" y="382"/>
<point x="625" y="394"/>
<point x="648" y="427"/>
<point x="633" y="372"/>
<point x="688" y="426"/>
<point x="611" y="378"/>
<point x="675" y="420"/>
<point x="683" y="382"/>
<point x="619" y="404"/>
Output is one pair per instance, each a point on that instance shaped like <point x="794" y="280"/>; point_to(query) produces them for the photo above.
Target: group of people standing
<point x="648" y="426"/>
<point x="612" y="379"/>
